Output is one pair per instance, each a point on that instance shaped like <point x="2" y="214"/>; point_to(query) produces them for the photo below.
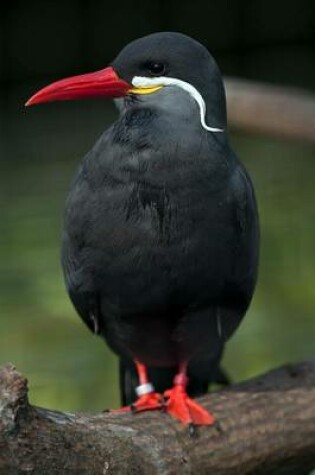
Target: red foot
<point x="186" y="410"/>
<point x="147" y="402"/>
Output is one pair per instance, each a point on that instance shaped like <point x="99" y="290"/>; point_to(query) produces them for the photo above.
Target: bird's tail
<point x="162" y="379"/>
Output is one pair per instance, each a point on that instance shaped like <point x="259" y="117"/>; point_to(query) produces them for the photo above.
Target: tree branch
<point x="265" y="426"/>
<point x="271" y="110"/>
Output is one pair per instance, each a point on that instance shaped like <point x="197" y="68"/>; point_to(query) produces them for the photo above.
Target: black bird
<point x="160" y="238"/>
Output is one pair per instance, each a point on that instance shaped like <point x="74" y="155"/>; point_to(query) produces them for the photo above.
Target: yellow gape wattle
<point x="144" y="90"/>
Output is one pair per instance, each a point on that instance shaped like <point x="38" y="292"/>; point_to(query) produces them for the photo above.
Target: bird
<point x="160" y="240"/>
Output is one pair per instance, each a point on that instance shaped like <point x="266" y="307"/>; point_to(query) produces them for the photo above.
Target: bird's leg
<point x="180" y="406"/>
<point x="147" y="399"/>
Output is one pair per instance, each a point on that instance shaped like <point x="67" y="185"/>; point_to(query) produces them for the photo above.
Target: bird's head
<point x="159" y="62"/>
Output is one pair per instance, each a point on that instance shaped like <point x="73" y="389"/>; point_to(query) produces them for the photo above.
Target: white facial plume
<point x="145" y="82"/>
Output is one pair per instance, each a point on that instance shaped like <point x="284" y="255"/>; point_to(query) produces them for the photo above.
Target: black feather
<point x="160" y="240"/>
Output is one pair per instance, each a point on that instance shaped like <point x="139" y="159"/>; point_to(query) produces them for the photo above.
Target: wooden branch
<point x="265" y="426"/>
<point x="271" y="110"/>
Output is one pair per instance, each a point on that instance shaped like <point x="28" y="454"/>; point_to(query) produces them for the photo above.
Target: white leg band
<point x="144" y="389"/>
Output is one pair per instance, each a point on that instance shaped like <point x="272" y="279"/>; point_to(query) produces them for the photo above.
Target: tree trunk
<point x="264" y="426"/>
<point x="271" y="110"/>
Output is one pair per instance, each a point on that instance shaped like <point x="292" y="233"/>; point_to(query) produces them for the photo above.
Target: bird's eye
<point x="155" y="68"/>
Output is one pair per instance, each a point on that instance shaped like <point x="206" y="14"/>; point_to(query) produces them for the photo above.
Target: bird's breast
<point x="146" y="227"/>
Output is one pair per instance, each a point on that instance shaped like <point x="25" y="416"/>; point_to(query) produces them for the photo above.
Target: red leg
<point x="180" y="406"/>
<point x="148" y="399"/>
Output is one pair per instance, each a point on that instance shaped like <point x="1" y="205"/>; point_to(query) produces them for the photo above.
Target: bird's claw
<point x="147" y="402"/>
<point x="177" y="404"/>
<point x="180" y="406"/>
<point x="192" y="429"/>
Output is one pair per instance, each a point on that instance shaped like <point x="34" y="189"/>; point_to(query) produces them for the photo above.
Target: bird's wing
<point x="85" y="301"/>
<point x="242" y="277"/>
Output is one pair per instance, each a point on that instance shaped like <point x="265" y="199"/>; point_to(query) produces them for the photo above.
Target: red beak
<point x="101" y="83"/>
